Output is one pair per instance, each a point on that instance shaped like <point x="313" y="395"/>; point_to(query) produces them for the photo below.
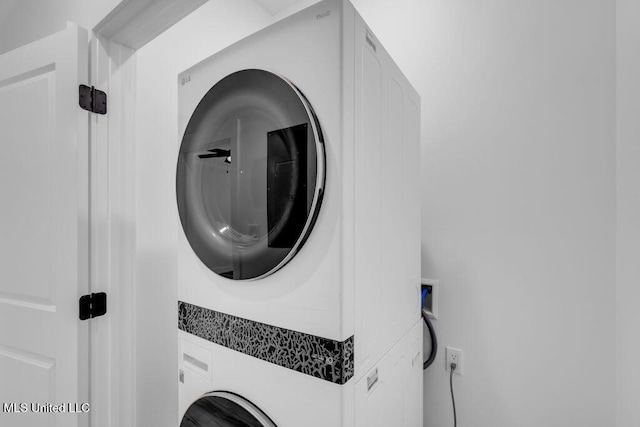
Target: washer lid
<point x="250" y="174"/>
<point x="224" y="409"/>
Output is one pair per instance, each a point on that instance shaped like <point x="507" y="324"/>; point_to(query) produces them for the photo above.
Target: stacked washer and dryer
<point x="299" y="266"/>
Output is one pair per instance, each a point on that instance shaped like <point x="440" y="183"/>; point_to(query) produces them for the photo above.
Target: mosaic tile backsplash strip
<point x="309" y="354"/>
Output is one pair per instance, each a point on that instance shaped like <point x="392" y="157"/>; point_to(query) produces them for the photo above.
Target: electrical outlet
<point x="454" y="355"/>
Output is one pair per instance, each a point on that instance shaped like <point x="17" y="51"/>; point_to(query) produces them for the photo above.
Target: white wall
<point x="210" y="28"/>
<point x="23" y="21"/>
<point x="628" y="247"/>
<point x="518" y="102"/>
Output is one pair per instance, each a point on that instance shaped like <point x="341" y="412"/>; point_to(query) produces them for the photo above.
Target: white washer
<point x="298" y="192"/>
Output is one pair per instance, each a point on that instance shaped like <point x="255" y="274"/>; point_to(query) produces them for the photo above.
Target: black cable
<point x="434" y="340"/>
<point x="453" y="399"/>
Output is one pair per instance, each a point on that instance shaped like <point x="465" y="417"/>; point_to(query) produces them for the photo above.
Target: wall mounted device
<point x="431" y="299"/>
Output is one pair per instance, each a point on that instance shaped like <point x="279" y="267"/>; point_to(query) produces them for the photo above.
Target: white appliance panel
<point x="356" y="281"/>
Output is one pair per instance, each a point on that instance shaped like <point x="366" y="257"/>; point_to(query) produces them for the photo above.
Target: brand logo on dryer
<point x="323" y="15"/>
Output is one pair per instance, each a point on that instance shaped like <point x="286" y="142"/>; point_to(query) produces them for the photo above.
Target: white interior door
<point x="43" y="231"/>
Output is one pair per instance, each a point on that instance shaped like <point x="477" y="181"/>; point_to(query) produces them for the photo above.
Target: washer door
<point x="250" y="174"/>
<point x="224" y="409"/>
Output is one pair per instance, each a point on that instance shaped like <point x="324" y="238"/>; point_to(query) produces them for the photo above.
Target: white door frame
<point x="113" y="47"/>
<point x="112" y="190"/>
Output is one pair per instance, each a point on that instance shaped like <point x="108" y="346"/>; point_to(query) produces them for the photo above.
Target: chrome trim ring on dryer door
<point x="250" y="175"/>
<point x="224" y="409"/>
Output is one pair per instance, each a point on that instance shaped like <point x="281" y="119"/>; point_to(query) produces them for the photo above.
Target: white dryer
<point x="298" y="193"/>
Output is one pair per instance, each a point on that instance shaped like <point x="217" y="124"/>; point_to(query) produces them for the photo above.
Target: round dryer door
<point x="250" y="174"/>
<point x="223" y="409"/>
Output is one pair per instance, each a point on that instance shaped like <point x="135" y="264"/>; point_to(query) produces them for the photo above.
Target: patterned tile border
<point x="309" y="354"/>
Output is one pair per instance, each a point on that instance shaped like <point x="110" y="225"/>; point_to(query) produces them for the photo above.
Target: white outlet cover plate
<point x="433" y="314"/>
<point x="450" y="351"/>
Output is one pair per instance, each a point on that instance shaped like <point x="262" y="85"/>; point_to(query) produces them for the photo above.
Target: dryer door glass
<point x="250" y="174"/>
<point x="223" y="409"/>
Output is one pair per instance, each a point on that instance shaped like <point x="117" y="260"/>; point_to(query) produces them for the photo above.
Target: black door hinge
<point x="92" y="99"/>
<point x="93" y="305"/>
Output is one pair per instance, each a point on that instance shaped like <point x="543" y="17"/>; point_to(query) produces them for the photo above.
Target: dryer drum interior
<point x="250" y="174"/>
<point x="224" y="409"/>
